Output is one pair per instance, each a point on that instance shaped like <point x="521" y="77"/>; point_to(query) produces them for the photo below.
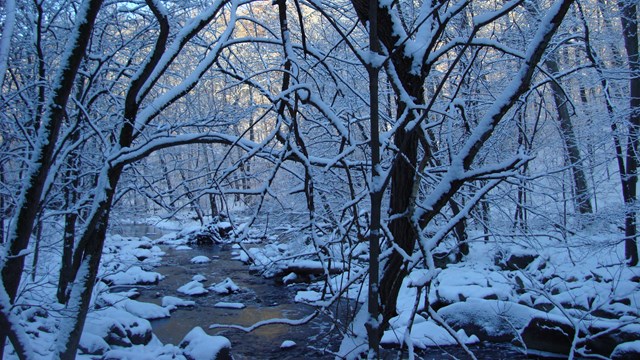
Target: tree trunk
<point x="583" y="197"/>
<point x="3" y="212"/>
<point x="402" y="185"/>
<point x="212" y="199"/>
<point x="41" y="158"/>
<point x="7" y="34"/>
<point x="68" y="240"/>
<point x="629" y="22"/>
<point x="88" y="255"/>
<point x="373" y="325"/>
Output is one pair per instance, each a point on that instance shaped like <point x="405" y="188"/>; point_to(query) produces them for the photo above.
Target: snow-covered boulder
<point x="291" y="278"/>
<point x="201" y="259"/>
<point x="287" y="344"/>
<point x="134" y="275"/>
<point x="118" y="327"/>
<point x="229" y="305"/>
<point x="425" y="333"/>
<point x="629" y="350"/>
<point x="307" y="296"/>
<point x="516" y="258"/>
<point x="227" y="286"/>
<point x="122" y="300"/>
<point x="503" y="321"/>
<point x="242" y="256"/>
<point x="199" y="278"/>
<point x="458" y="283"/>
<point x="92" y="344"/>
<point x="172" y="302"/>
<point x="490" y="320"/>
<point x="145" y="310"/>
<point x="198" y="345"/>
<point x="193" y="288"/>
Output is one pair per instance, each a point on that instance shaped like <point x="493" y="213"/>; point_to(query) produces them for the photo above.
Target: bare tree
<point x="409" y="62"/>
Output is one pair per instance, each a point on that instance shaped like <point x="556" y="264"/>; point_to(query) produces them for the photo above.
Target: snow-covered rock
<point x="459" y="283"/>
<point x="121" y="300"/>
<point x="287" y="344"/>
<point x="172" y="302"/>
<point x="201" y="259"/>
<point x="229" y="305"/>
<point x="134" y="275"/>
<point x="426" y="333"/>
<point x="242" y="256"/>
<point x="490" y="320"/>
<point x="628" y="350"/>
<point x="92" y="344"/>
<point x="291" y="278"/>
<point x="227" y="286"/>
<point x="183" y="247"/>
<point x="112" y="298"/>
<point x="145" y="310"/>
<point x="307" y="296"/>
<point x="193" y="288"/>
<point x="118" y="327"/>
<point x="198" y="345"/>
<point x="199" y="278"/>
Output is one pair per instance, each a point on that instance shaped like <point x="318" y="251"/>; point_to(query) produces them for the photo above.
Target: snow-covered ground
<point x="117" y="326"/>
<point x="508" y="289"/>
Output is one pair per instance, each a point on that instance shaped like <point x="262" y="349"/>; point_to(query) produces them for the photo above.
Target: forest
<point x="414" y="174"/>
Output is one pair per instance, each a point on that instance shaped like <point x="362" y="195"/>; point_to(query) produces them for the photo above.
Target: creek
<point x="264" y="299"/>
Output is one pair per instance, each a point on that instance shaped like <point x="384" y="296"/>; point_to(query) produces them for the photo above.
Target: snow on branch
<point x="188" y="31"/>
<point x="130" y="155"/>
<point x="259" y="324"/>
<point x="462" y="161"/>
<point x="166" y="99"/>
<point x="434" y="240"/>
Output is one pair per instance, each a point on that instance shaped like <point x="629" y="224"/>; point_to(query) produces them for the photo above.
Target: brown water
<point x="264" y="299"/>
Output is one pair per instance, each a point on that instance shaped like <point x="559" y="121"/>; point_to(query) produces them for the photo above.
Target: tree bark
<point x="89" y="253"/>
<point x="583" y="197"/>
<point x="629" y="22"/>
<point x="41" y="158"/>
<point x="376" y="192"/>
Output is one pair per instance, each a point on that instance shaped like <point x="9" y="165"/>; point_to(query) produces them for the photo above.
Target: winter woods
<point x="390" y="136"/>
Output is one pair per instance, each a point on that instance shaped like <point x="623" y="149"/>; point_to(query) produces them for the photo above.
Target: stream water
<point x="264" y="299"/>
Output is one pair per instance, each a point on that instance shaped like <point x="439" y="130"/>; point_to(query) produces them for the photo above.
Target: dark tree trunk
<point x="583" y="197"/>
<point x="41" y="158"/>
<point x="3" y="212"/>
<point x="402" y="184"/>
<point x="69" y="236"/>
<point x="629" y="21"/>
<point x="88" y="255"/>
<point x="373" y="326"/>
